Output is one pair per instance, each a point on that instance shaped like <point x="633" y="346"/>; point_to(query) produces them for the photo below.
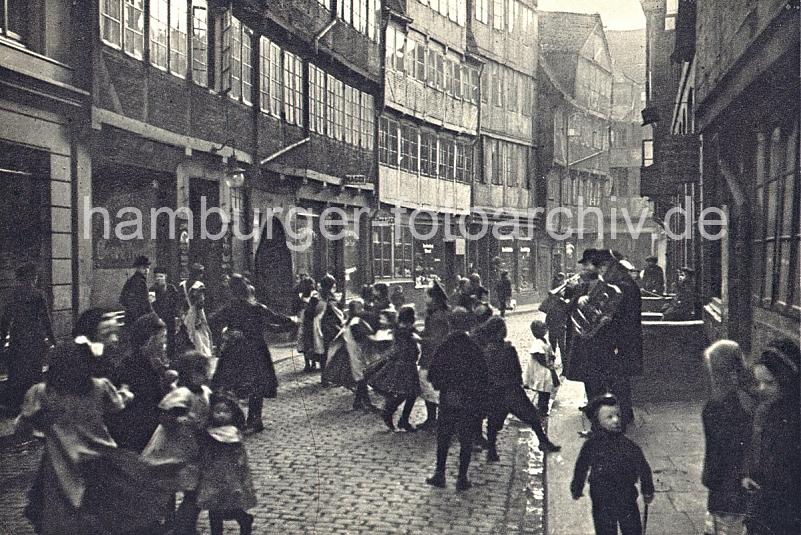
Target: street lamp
<point x="234" y="174"/>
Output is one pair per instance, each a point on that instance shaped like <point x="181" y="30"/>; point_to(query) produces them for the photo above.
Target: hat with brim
<point x="651" y="259"/>
<point x="141" y="261"/>
<point x="592" y="408"/>
<point x="437" y="292"/>
<point x="587" y="256"/>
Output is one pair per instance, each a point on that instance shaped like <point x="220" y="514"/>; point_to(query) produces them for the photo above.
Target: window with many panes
<point x="368" y="121"/>
<point x="459" y="150"/>
<point x="293" y="89"/>
<point x="496" y="163"/>
<point x="403" y="252"/>
<point x="498" y="14"/>
<point x="159" y="38"/>
<point x="420" y="63"/>
<point x="237" y="68"/>
<point x="388" y="141"/>
<point x="316" y="99"/>
<point x="178" y="37"/>
<point x="269" y="71"/>
<point x="482" y="11"/>
<point x="442" y="167"/>
<point x="777" y="236"/>
<point x="200" y="46"/>
<point x="408" y="161"/>
<point x="428" y="142"/>
<point x="382" y="250"/>
<point x="122" y="23"/>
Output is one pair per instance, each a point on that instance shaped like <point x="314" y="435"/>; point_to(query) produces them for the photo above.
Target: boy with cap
<point x="614" y="463"/>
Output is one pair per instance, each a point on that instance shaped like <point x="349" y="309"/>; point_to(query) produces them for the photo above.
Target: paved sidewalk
<point x="668" y="399"/>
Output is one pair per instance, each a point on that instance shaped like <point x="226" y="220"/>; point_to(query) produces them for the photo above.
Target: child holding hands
<point x="614" y="463"/>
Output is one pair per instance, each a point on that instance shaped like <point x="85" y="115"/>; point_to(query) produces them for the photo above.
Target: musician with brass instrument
<point x="606" y="340"/>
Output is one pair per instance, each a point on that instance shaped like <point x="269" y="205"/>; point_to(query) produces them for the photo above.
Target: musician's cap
<point x="588" y="256"/>
<point x="603" y="255"/>
<point x="606" y="400"/>
<point x="652" y="259"/>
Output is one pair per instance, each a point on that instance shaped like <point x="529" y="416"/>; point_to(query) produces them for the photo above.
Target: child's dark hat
<point x="592" y="408"/>
<point x="588" y="255"/>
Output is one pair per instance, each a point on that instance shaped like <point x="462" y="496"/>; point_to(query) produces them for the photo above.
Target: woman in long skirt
<point x="246" y="366"/>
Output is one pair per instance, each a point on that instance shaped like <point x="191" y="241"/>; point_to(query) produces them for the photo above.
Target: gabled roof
<point x="566" y="32"/>
<point x="628" y="52"/>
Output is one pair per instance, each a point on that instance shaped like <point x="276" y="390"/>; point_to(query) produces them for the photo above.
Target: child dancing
<point x="225" y="488"/>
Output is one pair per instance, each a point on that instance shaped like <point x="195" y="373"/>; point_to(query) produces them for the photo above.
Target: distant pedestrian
<point x="615" y="464"/>
<point x="134" y="296"/>
<point x="167" y="305"/>
<point x="685" y="305"/>
<point x="397" y="298"/>
<point x="196" y="322"/>
<point x="26" y="324"/>
<point x="307" y="312"/>
<point x="653" y="277"/>
<point x="506" y="394"/>
<point x="397" y="378"/>
<point x="245" y="366"/>
<point x="458" y="370"/>
<point x="381" y="294"/>
<point x="184" y="415"/>
<point x="196" y="273"/>
<point x="773" y="470"/>
<point x="329" y="319"/>
<point x="541" y="373"/>
<point x="503" y="291"/>
<point x="225" y="487"/>
<point x="728" y="419"/>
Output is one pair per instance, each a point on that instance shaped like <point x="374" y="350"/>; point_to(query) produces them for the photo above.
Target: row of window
<point x="506" y="15"/>
<point x="363" y="15"/>
<point x="508" y="163"/>
<point x="508" y="89"/>
<point x="393" y="252"/>
<point x="454" y="10"/>
<point x="340" y="111"/>
<point x="419" y="151"/>
<point x="336" y="109"/>
<point x="430" y="66"/>
<point x="589" y="189"/>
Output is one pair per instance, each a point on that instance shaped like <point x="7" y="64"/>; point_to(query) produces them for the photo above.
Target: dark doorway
<point x="274" y="279"/>
<point x="206" y="249"/>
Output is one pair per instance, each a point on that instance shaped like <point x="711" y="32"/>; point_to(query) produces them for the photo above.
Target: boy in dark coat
<point x="614" y="463"/>
<point x="459" y="372"/>
<point x="503" y="289"/>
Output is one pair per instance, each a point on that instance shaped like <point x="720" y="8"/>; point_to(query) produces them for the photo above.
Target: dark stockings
<point x="462" y="424"/>
<point x="517" y="403"/>
<point x="392" y="405"/>
<point x="255" y="406"/>
<point x="543" y="398"/>
<point x="245" y="521"/>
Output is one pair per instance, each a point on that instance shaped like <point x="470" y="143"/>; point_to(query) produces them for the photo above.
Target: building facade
<point x="44" y="150"/>
<point x="428" y="125"/>
<point x="735" y="109"/>
<point x="636" y="236"/>
<point x="574" y="114"/>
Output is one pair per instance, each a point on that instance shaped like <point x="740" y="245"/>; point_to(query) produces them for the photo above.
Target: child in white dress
<point x="541" y="375"/>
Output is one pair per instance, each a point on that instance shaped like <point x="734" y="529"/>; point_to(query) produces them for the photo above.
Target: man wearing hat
<point x="685" y="305"/>
<point x="134" y="297"/>
<point x="167" y="305"/>
<point x="614" y="352"/>
<point x="653" y="278"/>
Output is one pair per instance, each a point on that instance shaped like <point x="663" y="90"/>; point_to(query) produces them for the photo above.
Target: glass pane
<point x="784" y="271"/>
<point x="770" y="219"/>
<point x="768" y="291"/>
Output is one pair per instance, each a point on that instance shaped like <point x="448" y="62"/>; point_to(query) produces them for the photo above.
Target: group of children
<point x="86" y="484"/>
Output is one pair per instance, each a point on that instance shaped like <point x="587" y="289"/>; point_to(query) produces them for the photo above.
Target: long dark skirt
<point x="246" y="369"/>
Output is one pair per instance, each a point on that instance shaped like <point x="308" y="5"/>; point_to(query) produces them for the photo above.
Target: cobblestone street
<point x="322" y="468"/>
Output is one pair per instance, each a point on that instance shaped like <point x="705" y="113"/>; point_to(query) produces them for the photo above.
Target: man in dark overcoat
<point x="168" y="305"/>
<point x="134" y="296"/>
<point x="616" y="348"/>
